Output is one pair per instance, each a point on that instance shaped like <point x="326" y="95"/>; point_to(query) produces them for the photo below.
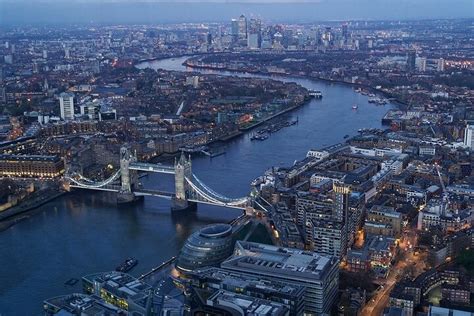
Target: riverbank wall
<point x="25" y="209"/>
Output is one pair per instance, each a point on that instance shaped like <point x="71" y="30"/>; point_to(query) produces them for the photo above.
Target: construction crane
<point x="445" y="199"/>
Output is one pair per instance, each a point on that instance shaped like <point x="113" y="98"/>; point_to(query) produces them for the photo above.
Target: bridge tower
<point x="183" y="170"/>
<point x="128" y="178"/>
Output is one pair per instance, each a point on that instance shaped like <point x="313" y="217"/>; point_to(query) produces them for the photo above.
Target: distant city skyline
<point x="161" y="11"/>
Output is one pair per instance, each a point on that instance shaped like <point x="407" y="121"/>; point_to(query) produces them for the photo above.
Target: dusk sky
<point x="159" y="11"/>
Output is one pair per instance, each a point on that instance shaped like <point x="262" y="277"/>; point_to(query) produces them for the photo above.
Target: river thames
<point x="84" y="232"/>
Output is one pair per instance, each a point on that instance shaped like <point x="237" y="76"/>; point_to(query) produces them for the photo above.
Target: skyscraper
<point x="234" y="30"/>
<point x="440" y="65"/>
<point x="469" y="136"/>
<point x="66" y="106"/>
<point x="345" y="32"/>
<point x="422" y="64"/>
<point x="411" y="61"/>
<point x="254" y="38"/>
<point x="242" y="27"/>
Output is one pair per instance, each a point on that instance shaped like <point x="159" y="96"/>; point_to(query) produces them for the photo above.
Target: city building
<point x="317" y="273"/>
<point x="441" y="64"/>
<point x="242" y="305"/>
<point x="254" y="38"/>
<point x="383" y="221"/>
<point x="29" y="166"/>
<point x="242" y="28"/>
<point x="123" y="291"/>
<point x="330" y="238"/>
<point x="66" y="106"/>
<point x="441" y="311"/>
<point x="469" y="137"/>
<point x="411" y="60"/>
<point x="80" y="305"/>
<point x="210" y="280"/>
<point x="209" y="246"/>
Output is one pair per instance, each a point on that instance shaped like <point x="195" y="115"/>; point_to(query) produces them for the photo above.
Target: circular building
<point x="207" y="247"/>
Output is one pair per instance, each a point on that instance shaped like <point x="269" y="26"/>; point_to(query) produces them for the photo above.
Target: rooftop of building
<point x="289" y="262"/>
<point x="242" y="281"/>
<point x="29" y="158"/>
<point x="80" y="304"/>
<point x="121" y="284"/>
<point x="249" y="305"/>
<point x="385" y="211"/>
<point x="379" y="243"/>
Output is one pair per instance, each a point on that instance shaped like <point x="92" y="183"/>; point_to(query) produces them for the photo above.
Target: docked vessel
<point x="127" y="265"/>
<point x="193" y="149"/>
<point x="315" y="94"/>
<point x="378" y="101"/>
<point x="71" y="282"/>
<point x="259" y="137"/>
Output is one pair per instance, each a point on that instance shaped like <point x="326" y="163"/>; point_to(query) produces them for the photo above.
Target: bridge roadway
<point x="138" y="192"/>
<point x="145" y="192"/>
<point x="151" y="167"/>
<point x="108" y="188"/>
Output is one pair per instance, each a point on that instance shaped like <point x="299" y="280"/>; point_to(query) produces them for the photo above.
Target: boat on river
<point x="127" y="265"/>
<point x="316" y="94"/>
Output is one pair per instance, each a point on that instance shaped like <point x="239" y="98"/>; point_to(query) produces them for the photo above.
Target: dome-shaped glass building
<point x="209" y="246"/>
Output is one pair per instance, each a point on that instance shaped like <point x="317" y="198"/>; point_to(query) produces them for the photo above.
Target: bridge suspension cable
<point x="211" y="196"/>
<point x="92" y="184"/>
<point x="215" y="194"/>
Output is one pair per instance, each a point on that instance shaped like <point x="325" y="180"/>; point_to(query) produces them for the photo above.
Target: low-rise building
<point x="26" y="166"/>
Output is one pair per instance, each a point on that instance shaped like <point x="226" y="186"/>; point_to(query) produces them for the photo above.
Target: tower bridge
<point x="189" y="190"/>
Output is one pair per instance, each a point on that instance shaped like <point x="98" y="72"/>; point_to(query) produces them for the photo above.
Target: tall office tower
<point x="234" y="30"/>
<point x="440" y="65"/>
<point x="411" y="61"/>
<point x="345" y="31"/>
<point x="45" y="54"/>
<point x="317" y="36"/>
<point x="66" y="106"/>
<point x="242" y="27"/>
<point x="254" y="39"/>
<point x="422" y="64"/>
<point x="469" y="136"/>
<point x="327" y="36"/>
<point x="317" y="273"/>
<point x="209" y="39"/>
<point x="67" y="54"/>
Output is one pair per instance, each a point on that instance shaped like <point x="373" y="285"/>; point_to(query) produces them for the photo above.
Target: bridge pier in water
<point x="182" y="170"/>
<point x="128" y="178"/>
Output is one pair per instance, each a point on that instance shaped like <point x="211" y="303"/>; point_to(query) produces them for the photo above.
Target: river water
<point x="84" y="232"/>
